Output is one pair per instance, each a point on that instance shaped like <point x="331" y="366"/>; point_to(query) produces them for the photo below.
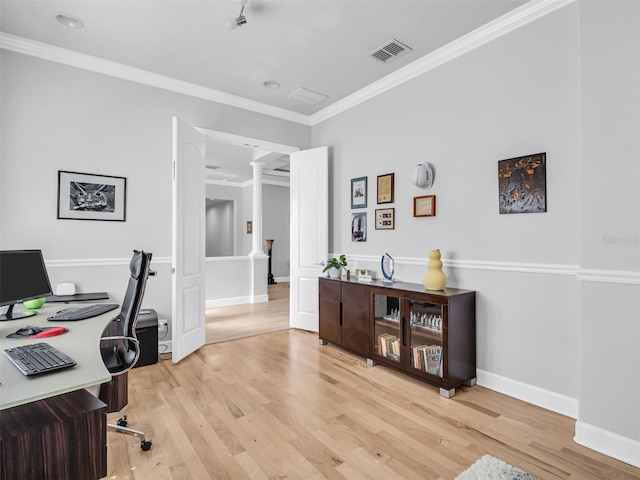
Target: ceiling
<point x="321" y="45"/>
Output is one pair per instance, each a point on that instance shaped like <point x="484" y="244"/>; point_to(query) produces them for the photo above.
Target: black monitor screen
<point x="23" y="276"/>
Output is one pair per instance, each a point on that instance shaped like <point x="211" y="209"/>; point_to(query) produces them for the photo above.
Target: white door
<point x="188" y="235"/>
<point x="309" y="186"/>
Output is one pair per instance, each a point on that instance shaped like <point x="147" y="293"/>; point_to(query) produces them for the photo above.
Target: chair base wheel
<point x="122" y="422"/>
<point x="145" y="445"/>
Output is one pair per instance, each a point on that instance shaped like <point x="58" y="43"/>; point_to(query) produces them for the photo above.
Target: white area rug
<point x="492" y="468"/>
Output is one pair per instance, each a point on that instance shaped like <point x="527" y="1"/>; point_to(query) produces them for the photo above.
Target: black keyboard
<point x="38" y="358"/>
<point x="81" y="313"/>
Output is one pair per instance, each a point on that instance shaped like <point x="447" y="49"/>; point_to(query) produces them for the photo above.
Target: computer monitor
<point x="23" y="276"/>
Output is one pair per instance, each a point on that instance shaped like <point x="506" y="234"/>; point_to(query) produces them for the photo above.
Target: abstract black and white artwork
<point x="85" y="196"/>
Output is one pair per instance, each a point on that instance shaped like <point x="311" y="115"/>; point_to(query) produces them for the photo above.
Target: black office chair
<point x="120" y="353"/>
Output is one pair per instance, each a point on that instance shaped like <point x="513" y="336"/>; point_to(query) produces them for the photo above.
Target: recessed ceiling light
<point x="271" y="84"/>
<point x="69" y="20"/>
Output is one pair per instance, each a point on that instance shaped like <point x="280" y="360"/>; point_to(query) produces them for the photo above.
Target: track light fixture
<point x="233" y="23"/>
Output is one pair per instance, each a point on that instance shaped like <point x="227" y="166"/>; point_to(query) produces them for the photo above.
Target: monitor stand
<point x="9" y="315"/>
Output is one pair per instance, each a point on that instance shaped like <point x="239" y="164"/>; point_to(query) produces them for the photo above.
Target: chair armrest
<point x="131" y="339"/>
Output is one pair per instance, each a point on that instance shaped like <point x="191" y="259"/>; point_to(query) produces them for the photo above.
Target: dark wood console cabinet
<point x="344" y="314"/>
<point x="430" y="335"/>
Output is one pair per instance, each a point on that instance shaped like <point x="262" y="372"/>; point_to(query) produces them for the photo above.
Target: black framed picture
<point x="385" y="219"/>
<point x="385" y="188"/>
<point x="522" y="184"/>
<point x="87" y="196"/>
<point x="359" y="192"/>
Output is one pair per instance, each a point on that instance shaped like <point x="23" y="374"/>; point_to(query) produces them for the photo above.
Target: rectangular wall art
<point x="424" y="206"/>
<point x="359" y="192"/>
<point x="85" y="196"/>
<point x="385" y="219"/>
<point x="522" y="184"/>
<point x="359" y="227"/>
<point x="385" y="188"/>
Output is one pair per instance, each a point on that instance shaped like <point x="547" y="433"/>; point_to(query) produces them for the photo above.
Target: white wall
<point x="235" y="280"/>
<point x="275" y="224"/>
<point x="512" y="97"/>
<point x="55" y="117"/>
<point x="220" y="231"/>
<point x="609" y="418"/>
<point x="538" y="325"/>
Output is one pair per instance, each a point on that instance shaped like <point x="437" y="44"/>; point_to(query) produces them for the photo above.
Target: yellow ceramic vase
<point x="435" y="279"/>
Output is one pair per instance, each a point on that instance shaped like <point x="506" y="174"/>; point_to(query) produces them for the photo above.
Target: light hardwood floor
<point x="240" y="321"/>
<point x="281" y="406"/>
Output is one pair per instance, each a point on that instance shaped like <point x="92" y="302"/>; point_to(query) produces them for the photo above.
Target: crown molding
<point x="513" y="20"/>
<point x="52" y="53"/>
<point x="527" y="13"/>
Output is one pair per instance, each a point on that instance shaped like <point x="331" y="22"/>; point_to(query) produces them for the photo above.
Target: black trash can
<point x="147" y="333"/>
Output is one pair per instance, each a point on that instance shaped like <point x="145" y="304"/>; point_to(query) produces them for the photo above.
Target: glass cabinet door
<point x="387" y="327"/>
<point x="426" y="345"/>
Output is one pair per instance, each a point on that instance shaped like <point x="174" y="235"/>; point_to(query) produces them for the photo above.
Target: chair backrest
<point x="139" y="267"/>
<point x="123" y="356"/>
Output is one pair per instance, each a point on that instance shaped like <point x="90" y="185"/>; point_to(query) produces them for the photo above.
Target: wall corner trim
<point x="608" y="443"/>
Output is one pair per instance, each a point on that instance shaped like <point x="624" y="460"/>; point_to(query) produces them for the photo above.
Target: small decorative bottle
<point x="435" y="279"/>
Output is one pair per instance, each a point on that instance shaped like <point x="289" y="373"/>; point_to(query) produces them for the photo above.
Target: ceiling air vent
<point x="390" y="51"/>
<point x="307" y="96"/>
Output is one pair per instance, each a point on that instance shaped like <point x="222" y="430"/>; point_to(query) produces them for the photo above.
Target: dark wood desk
<point x="59" y="438"/>
<point x="50" y="426"/>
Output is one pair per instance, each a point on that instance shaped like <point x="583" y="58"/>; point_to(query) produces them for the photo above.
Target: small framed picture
<point x="359" y="227"/>
<point x="87" y="196"/>
<point x="424" y="206"/>
<point x="385" y="219"/>
<point x="385" y="188"/>
<point x="249" y="227"/>
<point x="359" y="192"/>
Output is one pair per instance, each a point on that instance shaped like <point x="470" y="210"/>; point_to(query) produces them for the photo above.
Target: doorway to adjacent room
<point x="249" y="319"/>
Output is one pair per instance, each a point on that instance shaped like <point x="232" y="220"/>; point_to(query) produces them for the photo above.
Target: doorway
<point x="224" y="324"/>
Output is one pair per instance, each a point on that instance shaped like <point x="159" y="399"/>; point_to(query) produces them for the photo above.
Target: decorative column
<point x="270" y="279"/>
<point x="256" y="245"/>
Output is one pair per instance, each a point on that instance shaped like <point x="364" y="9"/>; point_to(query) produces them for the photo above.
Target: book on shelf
<point x="383" y="343"/>
<point x="433" y="357"/>
<point x="428" y="358"/>
<point x="389" y="346"/>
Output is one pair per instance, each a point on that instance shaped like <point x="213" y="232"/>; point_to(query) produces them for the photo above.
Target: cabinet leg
<point x="447" y="393"/>
<point x="370" y="362"/>
<point x="322" y="341"/>
<point x="471" y="382"/>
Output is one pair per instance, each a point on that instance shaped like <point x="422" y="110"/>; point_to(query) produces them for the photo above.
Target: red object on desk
<point x="52" y="332"/>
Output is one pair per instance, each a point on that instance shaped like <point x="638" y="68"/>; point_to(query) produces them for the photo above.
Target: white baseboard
<point x="529" y="393"/>
<point x="225" y="302"/>
<point x="608" y="443"/>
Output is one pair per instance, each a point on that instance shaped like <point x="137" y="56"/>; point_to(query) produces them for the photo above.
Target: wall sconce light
<point x="422" y="175"/>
